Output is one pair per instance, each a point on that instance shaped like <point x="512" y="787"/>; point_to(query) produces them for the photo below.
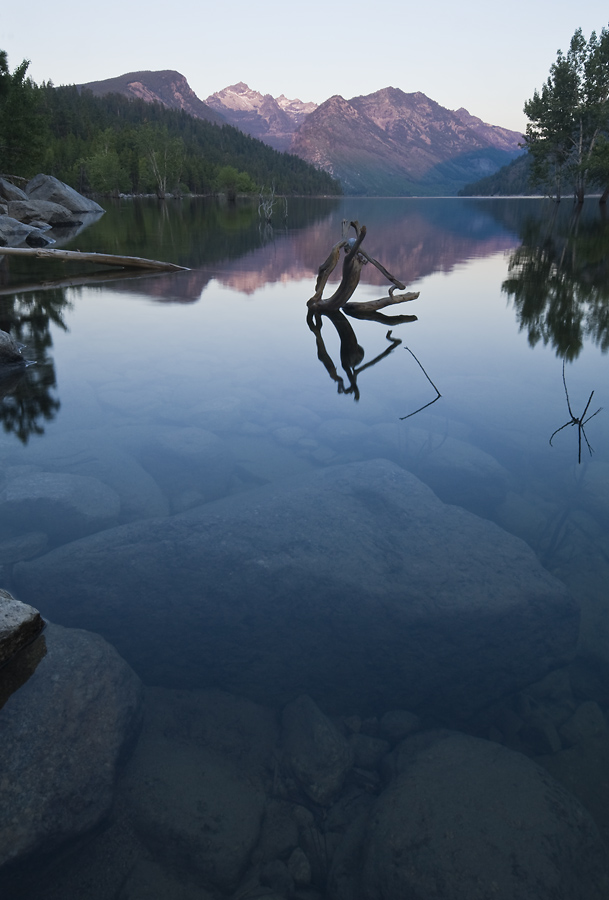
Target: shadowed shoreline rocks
<point x="45" y="203"/>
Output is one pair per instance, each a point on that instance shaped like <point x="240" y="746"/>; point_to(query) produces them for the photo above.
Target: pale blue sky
<point x="485" y="57"/>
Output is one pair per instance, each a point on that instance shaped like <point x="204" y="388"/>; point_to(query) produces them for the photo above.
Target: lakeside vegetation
<point x="114" y="145"/>
<point x="567" y="136"/>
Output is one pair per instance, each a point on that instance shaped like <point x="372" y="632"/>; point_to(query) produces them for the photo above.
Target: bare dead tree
<point x="355" y="259"/>
<point x="266" y="204"/>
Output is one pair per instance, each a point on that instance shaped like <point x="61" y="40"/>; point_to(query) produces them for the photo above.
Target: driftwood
<point x="107" y="259"/>
<point x="355" y="259"/>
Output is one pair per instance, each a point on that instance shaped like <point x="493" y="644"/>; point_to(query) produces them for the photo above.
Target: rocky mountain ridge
<point x="270" y="119"/>
<point x="388" y="143"/>
<point x="168" y="87"/>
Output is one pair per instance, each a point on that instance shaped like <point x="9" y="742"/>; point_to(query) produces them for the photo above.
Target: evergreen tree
<point x="569" y="119"/>
<point x="22" y="129"/>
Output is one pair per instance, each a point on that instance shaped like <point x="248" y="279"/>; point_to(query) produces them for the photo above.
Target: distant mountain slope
<point x="510" y="180"/>
<point x="167" y="87"/>
<point x="272" y="120"/>
<point x="390" y="142"/>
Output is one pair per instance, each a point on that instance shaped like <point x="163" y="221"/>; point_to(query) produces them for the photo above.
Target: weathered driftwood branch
<point x="107" y="259"/>
<point x="355" y="259"/>
<point x="381" y="303"/>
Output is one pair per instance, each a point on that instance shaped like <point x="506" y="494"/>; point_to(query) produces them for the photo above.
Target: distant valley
<point x="388" y="143"/>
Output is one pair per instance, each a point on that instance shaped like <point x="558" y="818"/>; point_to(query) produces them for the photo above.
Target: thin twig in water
<point x="575" y="421"/>
<point x="431" y="383"/>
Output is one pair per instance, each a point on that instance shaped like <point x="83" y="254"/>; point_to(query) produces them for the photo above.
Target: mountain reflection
<point x="420" y="237"/>
<point x="224" y="243"/>
<point x="559" y="280"/>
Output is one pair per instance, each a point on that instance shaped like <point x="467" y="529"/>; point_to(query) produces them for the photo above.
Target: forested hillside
<point x="113" y="144"/>
<point x="513" y="180"/>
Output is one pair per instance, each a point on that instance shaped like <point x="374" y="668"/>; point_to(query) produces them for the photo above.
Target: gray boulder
<point x="91" y="453"/>
<point x="194" y="810"/>
<point x="466" y="818"/>
<point x="13" y="233"/>
<point x="25" y="546"/>
<point x="63" y="734"/>
<point x="456" y="470"/>
<point x="10" y="351"/>
<point x="588" y="721"/>
<point x="368" y="751"/>
<point x="178" y="458"/>
<point x="9" y="191"/>
<point x="47" y="187"/>
<point x="66" y="507"/>
<point x="19" y="624"/>
<point x="355" y="585"/>
<point x="34" y="212"/>
<point x="315" y="753"/>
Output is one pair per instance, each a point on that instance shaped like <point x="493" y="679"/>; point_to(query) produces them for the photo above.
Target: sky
<point x="486" y="57"/>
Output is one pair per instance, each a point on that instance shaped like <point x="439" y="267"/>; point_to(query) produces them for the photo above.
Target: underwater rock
<point x="66" y="507"/>
<point x="177" y="458"/>
<point x="194" y="810"/>
<point x="278" y="834"/>
<point x="367" y="751"/>
<point x="466" y="818"/>
<point x="588" y="721"/>
<point x="33" y="543"/>
<point x="149" y="881"/>
<point x="19" y="624"/>
<point x="397" y="724"/>
<point x="354" y="584"/>
<point x="315" y="753"/>
<point x="89" y="452"/>
<point x="456" y="470"/>
<point x="63" y="733"/>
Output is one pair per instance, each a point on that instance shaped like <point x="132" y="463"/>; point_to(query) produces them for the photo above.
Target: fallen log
<point x="107" y="259"/>
<point x="355" y="259"/>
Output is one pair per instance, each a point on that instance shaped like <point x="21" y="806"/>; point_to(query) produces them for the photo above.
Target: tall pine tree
<point x="569" y="119"/>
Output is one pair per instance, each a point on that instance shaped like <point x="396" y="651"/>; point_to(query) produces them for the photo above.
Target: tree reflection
<point x="559" y="282"/>
<point x="26" y="394"/>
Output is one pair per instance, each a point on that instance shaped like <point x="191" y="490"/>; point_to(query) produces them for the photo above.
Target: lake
<point x="189" y="470"/>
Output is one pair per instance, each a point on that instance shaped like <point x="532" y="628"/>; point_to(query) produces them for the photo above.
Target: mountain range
<point x="388" y="143"/>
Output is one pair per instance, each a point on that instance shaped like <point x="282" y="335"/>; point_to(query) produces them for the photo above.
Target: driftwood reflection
<point x="351" y="353"/>
<point x="580" y="422"/>
<point x="338" y="304"/>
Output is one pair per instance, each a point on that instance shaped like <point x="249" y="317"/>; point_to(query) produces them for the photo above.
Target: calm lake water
<point x="139" y="378"/>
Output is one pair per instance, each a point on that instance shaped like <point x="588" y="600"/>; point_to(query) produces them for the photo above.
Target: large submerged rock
<point x="64" y="506"/>
<point x="466" y="818"/>
<point x="63" y="733"/>
<point x="355" y="585"/>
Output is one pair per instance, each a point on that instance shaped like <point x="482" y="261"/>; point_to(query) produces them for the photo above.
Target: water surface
<point x="509" y="292"/>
